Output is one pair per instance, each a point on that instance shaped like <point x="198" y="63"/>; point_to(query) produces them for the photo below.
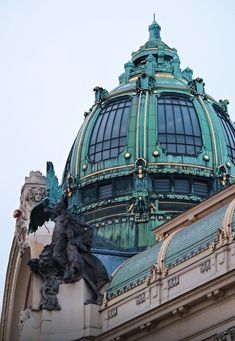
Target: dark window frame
<point x="109" y="135"/>
<point x="192" y="180"/>
<point x="114" y="192"/>
<point x="179" y="131"/>
<point x="229" y="132"/>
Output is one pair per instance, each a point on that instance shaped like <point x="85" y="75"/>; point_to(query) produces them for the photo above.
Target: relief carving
<point x="112" y="313"/>
<point x="23" y="316"/>
<point x="228" y="335"/>
<point x="32" y="192"/>
<point x="20" y="230"/>
<point x="206" y="266"/>
<point x="140" y="298"/>
<point x="172" y="282"/>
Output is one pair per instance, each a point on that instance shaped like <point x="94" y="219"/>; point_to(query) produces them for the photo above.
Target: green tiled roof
<point x="186" y="243"/>
<point x="134" y="271"/>
<point x="194" y="238"/>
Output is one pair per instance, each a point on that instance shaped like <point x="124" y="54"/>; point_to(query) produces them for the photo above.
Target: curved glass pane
<point x="229" y="133"/>
<point x="109" y="136"/>
<point x="178" y="126"/>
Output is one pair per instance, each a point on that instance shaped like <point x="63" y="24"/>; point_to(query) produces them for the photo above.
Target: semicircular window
<point x="229" y="132"/>
<point x="179" y="131"/>
<point x="109" y="135"/>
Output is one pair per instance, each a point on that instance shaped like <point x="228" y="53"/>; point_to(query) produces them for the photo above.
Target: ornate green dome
<point x="149" y="149"/>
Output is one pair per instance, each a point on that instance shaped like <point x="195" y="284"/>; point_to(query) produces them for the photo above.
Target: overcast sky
<point x="53" y="53"/>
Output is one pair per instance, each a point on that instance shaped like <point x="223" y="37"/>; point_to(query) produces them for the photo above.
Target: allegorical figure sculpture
<point x="68" y="258"/>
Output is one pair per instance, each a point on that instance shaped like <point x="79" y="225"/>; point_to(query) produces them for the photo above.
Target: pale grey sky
<point x="54" y="52"/>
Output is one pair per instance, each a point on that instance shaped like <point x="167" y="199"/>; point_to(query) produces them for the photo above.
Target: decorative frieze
<point x="32" y="192"/>
<point x="140" y="298"/>
<point x="112" y="313"/>
<point x="228" y="335"/>
<point x="20" y="230"/>
<point x="172" y="282"/>
<point x="205" y="266"/>
<point x="23" y="316"/>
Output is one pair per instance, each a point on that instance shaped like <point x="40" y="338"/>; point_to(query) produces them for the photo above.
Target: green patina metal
<point x="195" y="238"/>
<point x="126" y="219"/>
<point x="54" y="190"/>
<point x="133" y="272"/>
<point x="185" y="244"/>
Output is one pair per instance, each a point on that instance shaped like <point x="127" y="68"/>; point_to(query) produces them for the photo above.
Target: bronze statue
<point x="68" y="258"/>
<point x="81" y="262"/>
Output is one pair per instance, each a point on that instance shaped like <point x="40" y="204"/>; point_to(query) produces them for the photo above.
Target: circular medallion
<point x="127" y="155"/>
<point x="155" y="153"/>
<point x="84" y="167"/>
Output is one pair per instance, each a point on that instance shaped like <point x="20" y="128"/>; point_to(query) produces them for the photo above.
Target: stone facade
<point x="194" y="300"/>
<point x="18" y="295"/>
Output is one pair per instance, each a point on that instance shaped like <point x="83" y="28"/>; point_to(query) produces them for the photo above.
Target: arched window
<point x="109" y="136"/>
<point x="229" y="133"/>
<point x="178" y="125"/>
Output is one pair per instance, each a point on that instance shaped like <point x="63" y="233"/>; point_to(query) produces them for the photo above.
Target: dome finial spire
<point x="154" y="30"/>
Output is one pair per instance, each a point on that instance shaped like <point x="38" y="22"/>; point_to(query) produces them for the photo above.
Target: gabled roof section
<point x="133" y="272"/>
<point x="215" y="227"/>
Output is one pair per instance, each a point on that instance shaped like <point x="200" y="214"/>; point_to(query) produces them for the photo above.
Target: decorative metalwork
<point x="206" y="157"/>
<point x="100" y="94"/>
<point x="140" y="168"/>
<point x="127" y="155"/>
<point x="155" y="153"/>
<point x="54" y="190"/>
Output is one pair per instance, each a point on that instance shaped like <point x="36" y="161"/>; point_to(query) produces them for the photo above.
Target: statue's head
<point x="70" y="234"/>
